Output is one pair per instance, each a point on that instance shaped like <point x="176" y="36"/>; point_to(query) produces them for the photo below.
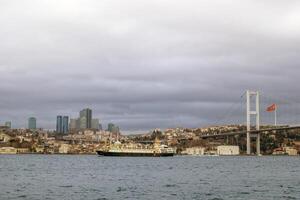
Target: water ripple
<point x="100" y="178"/>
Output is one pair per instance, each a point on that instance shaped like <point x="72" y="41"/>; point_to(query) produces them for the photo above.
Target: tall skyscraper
<point x="110" y="127"/>
<point x="85" y="118"/>
<point x="7" y="124"/>
<point x="116" y="129"/>
<point x="59" y="124"/>
<point x="113" y="128"/>
<point x="62" y="124"/>
<point x="73" y="124"/>
<point x="82" y="122"/>
<point x="65" y="127"/>
<point x="95" y="124"/>
<point x="32" y="123"/>
<point x="85" y="121"/>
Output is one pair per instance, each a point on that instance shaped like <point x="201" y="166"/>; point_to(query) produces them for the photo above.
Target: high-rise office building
<point x="86" y="118"/>
<point x="110" y="127"/>
<point x="7" y="124"/>
<point x="32" y="123"/>
<point x="113" y="128"/>
<point x="73" y="124"/>
<point x="59" y="124"/>
<point x="65" y="127"/>
<point x="95" y="124"/>
<point x="62" y="124"/>
<point x="82" y="123"/>
<point x="116" y="129"/>
<point x="85" y="121"/>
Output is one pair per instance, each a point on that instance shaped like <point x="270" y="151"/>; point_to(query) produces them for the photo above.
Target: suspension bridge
<point x="253" y="115"/>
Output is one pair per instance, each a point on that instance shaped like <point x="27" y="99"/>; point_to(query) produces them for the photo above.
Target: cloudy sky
<point x="145" y="64"/>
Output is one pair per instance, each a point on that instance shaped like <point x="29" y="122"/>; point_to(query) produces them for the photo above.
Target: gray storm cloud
<point x="145" y="64"/>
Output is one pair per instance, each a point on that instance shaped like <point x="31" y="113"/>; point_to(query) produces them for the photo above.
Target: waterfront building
<point x="23" y="150"/>
<point x="95" y="124"/>
<point x="64" y="148"/>
<point x="226" y="150"/>
<point x="285" y="151"/>
<point x="7" y="124"/>
<point x="291" y="151"/>
<point x="59" y="124"/>
<point x="199" y="151"/>
<point x="32" y="123"/>
<point x="39" y="149"/>
<point x="8" y="150"/>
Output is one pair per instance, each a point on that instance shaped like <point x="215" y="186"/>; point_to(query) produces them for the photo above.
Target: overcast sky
<point x="145" y="64"/>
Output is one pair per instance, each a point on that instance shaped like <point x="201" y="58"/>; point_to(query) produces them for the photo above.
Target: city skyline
<point x="140" y="68"/>
<point x="63" y="124"/>
<point x="159" y="99"/>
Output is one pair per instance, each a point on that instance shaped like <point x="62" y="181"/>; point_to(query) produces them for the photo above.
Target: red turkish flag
<point x="272" y="108"/>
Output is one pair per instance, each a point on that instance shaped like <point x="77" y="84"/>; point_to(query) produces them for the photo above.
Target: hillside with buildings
<point x="184" y="140"/>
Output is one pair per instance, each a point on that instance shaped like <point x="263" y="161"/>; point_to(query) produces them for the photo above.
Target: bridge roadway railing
<point x="212" y="135"/>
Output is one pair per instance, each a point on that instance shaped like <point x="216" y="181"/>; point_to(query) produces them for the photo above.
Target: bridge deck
<point x="252" y="131"/>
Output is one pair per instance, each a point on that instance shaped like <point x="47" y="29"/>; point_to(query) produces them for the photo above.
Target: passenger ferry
<point x="157" y="150"/>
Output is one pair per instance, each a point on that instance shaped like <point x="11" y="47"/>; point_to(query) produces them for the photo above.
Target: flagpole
<point x="275" y="115"/>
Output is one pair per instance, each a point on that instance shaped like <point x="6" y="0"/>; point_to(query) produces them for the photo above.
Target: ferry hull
<point x="134" y="154"/>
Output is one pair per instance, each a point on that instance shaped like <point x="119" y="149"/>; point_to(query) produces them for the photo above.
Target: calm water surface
<point x="93" y="177"/>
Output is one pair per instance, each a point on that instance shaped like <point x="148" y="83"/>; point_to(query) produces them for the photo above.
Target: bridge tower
<point x="255" y="113"/>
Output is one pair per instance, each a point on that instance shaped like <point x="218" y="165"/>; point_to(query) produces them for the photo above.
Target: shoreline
<point x="192" y="156"/>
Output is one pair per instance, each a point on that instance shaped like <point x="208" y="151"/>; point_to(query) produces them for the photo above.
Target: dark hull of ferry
<point x="125" y="154"/>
